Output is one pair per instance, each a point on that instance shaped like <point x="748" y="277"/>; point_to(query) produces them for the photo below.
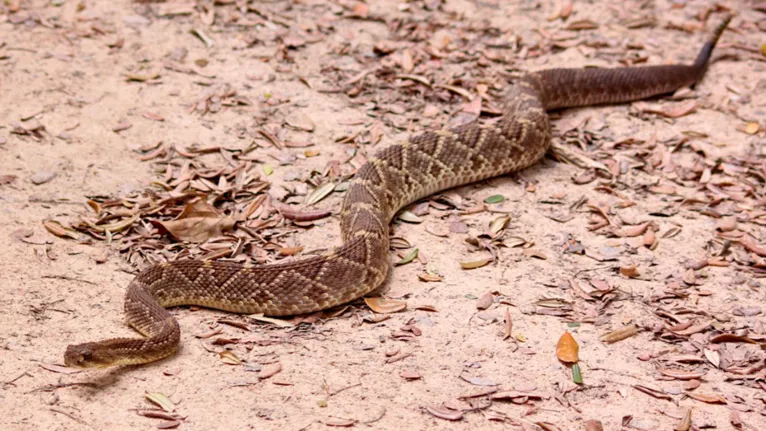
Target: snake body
<point x="394" y="177"/>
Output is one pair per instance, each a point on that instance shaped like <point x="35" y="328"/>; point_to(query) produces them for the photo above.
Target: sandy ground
<point x="65" y="88"/>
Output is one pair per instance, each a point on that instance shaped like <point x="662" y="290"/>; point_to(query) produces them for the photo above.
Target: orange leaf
<point x="385" y="305"/>
<point x="567" y="348"/>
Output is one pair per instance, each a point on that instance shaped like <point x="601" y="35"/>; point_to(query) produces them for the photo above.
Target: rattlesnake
<point x="396" y="176"/>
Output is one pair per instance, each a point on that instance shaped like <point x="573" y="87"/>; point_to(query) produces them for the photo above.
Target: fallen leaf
<point x="751" y="128"/>
<point x="270" y="370"/>
<point x="278" y="322"/>
<point x="508" y="324"/>
<point x="494" y="199"/>
<point x="656" y="393"/>
<point x="478" y="381"/>
<point x="444" y="413"/>
<point x="319" y="193"/>
<point x="531" y="252"/>
<point x="409" y="217"/>
<point x="567" y="348"/>
<point x="198" y="222"/>
<point x="686" y="422"/>
<point x="161" y="400"/>
<point x="57" y="229"/>
<point x="141" y="77"/>
<point x="228" y="357"/>
<point x="410" y="375"/>
<point x="121" y="126"/>
<point x="302" y="122"/>
<point x="682" y="374"/>
<point x="732" y="338"/>
<point x="385" y="305"/>
<point x="338" y="422"/>
<point x="629" y="271"/>
<point x="473" y="264"/>
<point x="676" y="110"/>
<point x="707" y="398"/>
<point x="620" y="334"/>
<point x="166" y="425"/>
<point x="409" y="257"/>
<point x="583" y="24"/>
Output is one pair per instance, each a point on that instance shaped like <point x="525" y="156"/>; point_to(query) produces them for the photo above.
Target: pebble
<point x="42" y="177"/>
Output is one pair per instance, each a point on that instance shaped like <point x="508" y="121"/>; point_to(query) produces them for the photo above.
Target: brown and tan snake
<point x="396" y="176"/>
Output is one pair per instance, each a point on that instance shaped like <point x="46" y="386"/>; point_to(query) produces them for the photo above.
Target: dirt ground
<point x="660" y="241"/>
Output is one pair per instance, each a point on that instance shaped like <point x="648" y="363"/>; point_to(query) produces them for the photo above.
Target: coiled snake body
<point x="396" y="176"/>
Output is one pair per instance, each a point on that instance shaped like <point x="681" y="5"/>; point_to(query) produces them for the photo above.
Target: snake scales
<point x="394" y="177"/>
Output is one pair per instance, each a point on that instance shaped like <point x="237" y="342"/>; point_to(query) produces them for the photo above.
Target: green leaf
<point x="576" y="374"/>
<point x="409" y="257"/>
<point x="268" y="170"/>
<point x="494" y="199"/>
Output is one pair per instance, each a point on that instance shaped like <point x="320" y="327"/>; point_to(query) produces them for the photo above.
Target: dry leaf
<point x="302" y="122"/>
<point x="165" y="425"/>
<point x="338" y="422"/>
<point x="732" y="338"/>
<point x="473" y="264"/>
<point x="444" y="413"/>
<point x="629" y="271"/>
<point x="686" y="422"/>
<point x="508" y="324"/>
<point x="278" y="322"/>
<point x="583" y="24"/>
<point x="385" y="305"/>
<point x="57" y="229"/>
<point x="228" y="357"/>
<point x="270" y="370"/>
<point x="410" y="375"/>
<point x="196" y="228"/>
<point x="319" y="193"/>
<point x="681" y="374"/>
<point x="656" y="393"/>
<point x="567" y="348"/>
<point x="620" y="334"/>
<point x="161" y="400"/>
<point x="751" y="128"/>
<point x="707" y="398"/>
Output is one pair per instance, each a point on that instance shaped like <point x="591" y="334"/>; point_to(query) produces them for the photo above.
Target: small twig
<point x="343" y="389"/>
<point x="12" y="381"/>
<point x="69" y="415"/>
<point x="64" y="277"/>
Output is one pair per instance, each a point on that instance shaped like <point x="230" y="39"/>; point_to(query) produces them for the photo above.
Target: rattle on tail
<point x="396" y="176"/>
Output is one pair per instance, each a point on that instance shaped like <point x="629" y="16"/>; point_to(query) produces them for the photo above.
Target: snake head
<point x="82" y="356"/>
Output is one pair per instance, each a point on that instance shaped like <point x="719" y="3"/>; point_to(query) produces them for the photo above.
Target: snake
<point x="394" y="177"/>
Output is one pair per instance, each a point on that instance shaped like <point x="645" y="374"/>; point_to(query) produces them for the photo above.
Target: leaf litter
<point x="218" y="202"/>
